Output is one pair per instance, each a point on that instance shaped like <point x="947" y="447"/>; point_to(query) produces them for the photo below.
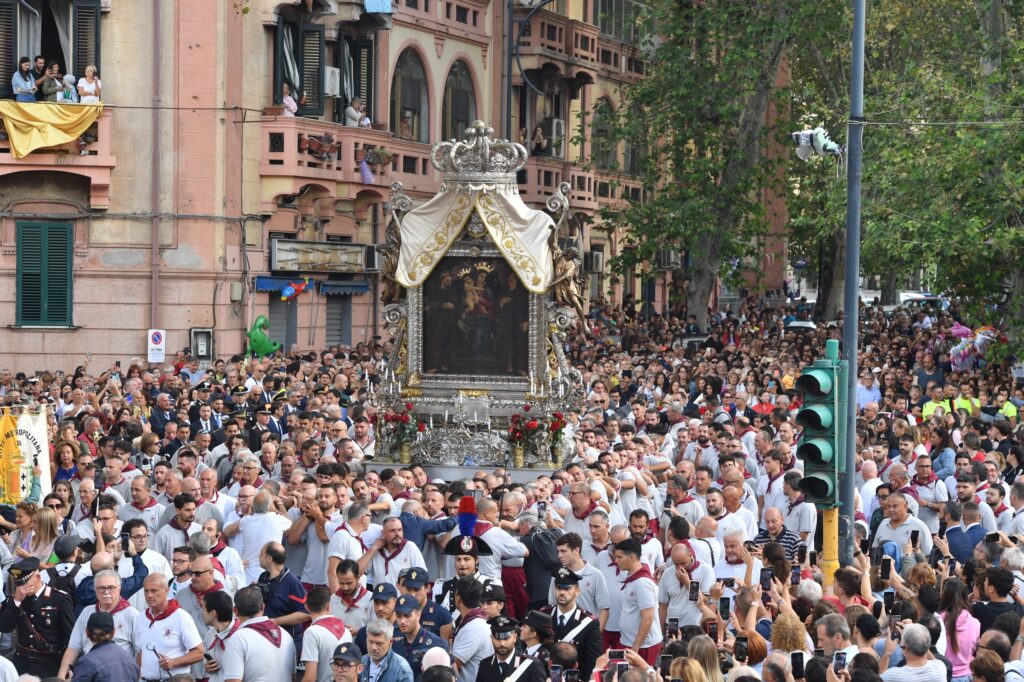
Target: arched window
<point x="410" y="108"/>
<point x="603" y="151"/>
<point x="459" y="107"/>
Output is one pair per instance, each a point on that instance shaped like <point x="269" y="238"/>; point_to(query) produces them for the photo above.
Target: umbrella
<point x="802" y="324"/>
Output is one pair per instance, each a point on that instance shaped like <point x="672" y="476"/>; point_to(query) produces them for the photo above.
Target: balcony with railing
<point x="299" y="151"/>
<point x="90" y="156"/>
<point x="540" y="178"/>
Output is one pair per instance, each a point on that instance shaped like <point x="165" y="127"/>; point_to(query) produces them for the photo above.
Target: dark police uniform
<point x="462" y="545"/>
<point x="282" y="596"/>
<point x="433" y="616"/>
<point x="586" y="639"/>
<point x="43" y="622"/>
<point x="423" y="641"/>
<point x="520" y="667"/>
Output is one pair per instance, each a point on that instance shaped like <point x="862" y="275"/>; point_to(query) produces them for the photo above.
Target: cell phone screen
<point x="797" y="661"/>
<point x="813" y="558"/>
<point x="723" y="608"/>
<point x="915" y="537"/>
<point x="992" y="537"/>
<point x="766" y="578"/>
<point x="556" y="673"/>
<point x="673" y="626"/>
<point x="713" y="630"/>
<point x="694" y="590"/>
<point x="801" y="553"/>
<point x="839" y="662"/>
<point x="666" y="665"/>
<point x="740" y="649"/>
<point x="889" y="598"/>
<point x="952" y="567"/>
<point x="886" y="567"/>
<point x="572" y="675"/>
<point x="616" y="655"/>
<point x="794" y="576"/>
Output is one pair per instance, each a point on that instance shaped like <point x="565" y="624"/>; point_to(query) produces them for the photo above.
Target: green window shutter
<point x="363" y="66"/>
<point x="85" y="30"/>
<point x="8" y="46"/>
<point x="311" y="64"/>
<point x="44" y="278"/>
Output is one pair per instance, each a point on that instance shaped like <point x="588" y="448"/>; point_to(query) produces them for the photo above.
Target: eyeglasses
<point x="106" y="588"/>
<point x="342" y="665"/>
<point x="195" y="573"/>
<point x="55" y="506"/>
<point x="140" y="537"/>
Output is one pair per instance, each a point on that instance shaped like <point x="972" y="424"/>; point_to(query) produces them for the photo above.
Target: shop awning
<point x="267" y="283"/>
<point x="344" y="288"/>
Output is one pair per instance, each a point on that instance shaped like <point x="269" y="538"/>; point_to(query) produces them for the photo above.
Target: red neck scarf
<point x="999" y="510"/>
<point x="218" y="548"/>
<point x="388" y="558"/>
<point x="470" y="616"/>
<point x="793" y="504"/>
<point x="586" y="512"/>
<point x="482" y="527"/>
<point x="345" y="527"/>
<point x="772" y="479"/>
<point x="218" y="641"/>
<point x="177" y="526"/>
<point x="644" y="572"/>
<point x="351" y="604"/>
<point x="335" y="626"/>
<point x="686" y="500"/>
<point x="598" y="549"/>
<point x="931" y="479"/>
<point x="171" y="607"/>
<point x="910" y="490"/>
<point x="149" y="505"/>
<point x="981" y="488"/>
<point x="119" y="606"/>
<point x="217" y="587"/>
<point x="86" y="511"/>
<point x="270" y="631"/>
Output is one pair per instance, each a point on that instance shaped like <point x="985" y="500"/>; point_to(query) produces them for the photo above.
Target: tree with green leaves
<point x="701" y="123"/>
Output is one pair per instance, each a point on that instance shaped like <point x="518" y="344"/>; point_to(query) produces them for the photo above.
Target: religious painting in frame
<point x="475" y="319"/>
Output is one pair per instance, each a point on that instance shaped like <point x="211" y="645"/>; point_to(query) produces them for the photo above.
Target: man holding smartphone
<point x="898" y="527"/>
<point x="680" y="582"/>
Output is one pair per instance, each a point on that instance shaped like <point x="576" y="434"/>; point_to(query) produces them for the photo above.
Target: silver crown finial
<point x="479" y="159"/>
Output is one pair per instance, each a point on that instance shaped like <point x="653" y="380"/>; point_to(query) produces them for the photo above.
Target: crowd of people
<point x="234" y="521"/>
<point x="41" y="81"/>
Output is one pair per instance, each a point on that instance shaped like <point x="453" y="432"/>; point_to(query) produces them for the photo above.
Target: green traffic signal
<point x="822" y="418"/>
<point x="816" y="451"/>
<point x="816" y="382"/>
<point x="816" y="417"/>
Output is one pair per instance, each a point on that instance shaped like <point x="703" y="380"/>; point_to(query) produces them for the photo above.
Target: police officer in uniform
<point x="43" y="618"/>
<point x="573" y="624"/>
<point x="239" y="404"/>
<point x="433" y="616"/>
<point x="260" y="426"/>
<point x="203" y="389"/>
<point x="413" y="640"/>
<point x="507" y="664"/>
<point x="535" y="637"/>
<point x="466" y="549"/>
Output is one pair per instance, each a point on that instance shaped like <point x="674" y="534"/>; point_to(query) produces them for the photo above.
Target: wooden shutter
<point x="44" y="274"/>
<point x="364" y="68"/>
<point x="85" y="36"/>
<point x="311" y="64"/>
<point x="8" y="46"/>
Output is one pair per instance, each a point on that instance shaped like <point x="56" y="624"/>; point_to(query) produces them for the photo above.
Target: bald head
<point x="731" y="496"/>
<point x="680" y="554"/>
<point x="191" y="486"/>
<point x="869" y="470"/>
<point x="202" y="564"/>
<point x="618" y="533"/>
<point x="102" y="561"/>
<point x="485" y="506"/>
<point x="707" y="527"/>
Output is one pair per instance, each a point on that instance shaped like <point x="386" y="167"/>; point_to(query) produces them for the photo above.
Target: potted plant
<point x="401" y="429"/>
<point x="379" y="156"/>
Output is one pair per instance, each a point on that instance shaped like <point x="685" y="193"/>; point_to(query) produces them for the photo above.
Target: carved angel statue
<point x="566" y="286"/>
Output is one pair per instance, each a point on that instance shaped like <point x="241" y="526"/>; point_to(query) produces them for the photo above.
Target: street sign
<point x="156" y="341"/>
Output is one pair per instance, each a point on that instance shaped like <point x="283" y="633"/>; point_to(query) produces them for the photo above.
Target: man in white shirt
<point x="594" y="595"/>
<point x="613" y="578"/>
<point x="221" y="625"/>
<point x="389" y="554"/>
<point x="311" y="530"/>
<point x="472" y="641"/>
<point x="109" y="524"/>
<point x="653" y="554"/>
<point x="680" y="502"/>
<point x="639" y="628"/>
<point x="869" y="473"/>
<point x="108" y="599"/>
<point x="674" y="588"/>
<point x="139" y="534"/>
<point x="351" y="602"/>
<point x="143" y="505"/>
<point x="256" y="529"/>
<point x="578" y="519"/>
<point x="230" y="560"/>
<point x="180" y="528"/>
<point x="800" y="516"/>
<point x="260" y="650"/>
<point x="322" y="637"/>
<point x="898" y="526"/>
<point x="770" y="491"/>
<point x="348" y="540"/>
<point x="932" y="493"/>
<point x="166" y="638"/>
<point x="208" y="488"/>
<point x="737" y="561"/>
<point x="707" y="548"/>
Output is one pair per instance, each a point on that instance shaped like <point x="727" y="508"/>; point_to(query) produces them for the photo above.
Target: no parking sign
<point x="156" y="342"/>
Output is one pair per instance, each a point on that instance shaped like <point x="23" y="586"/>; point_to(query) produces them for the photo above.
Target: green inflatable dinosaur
<point x="260" y="344"/>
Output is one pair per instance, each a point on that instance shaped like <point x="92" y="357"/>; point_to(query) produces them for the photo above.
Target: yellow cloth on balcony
<point x="34" y="125"/>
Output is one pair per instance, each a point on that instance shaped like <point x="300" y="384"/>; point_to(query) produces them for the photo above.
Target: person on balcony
<point x="355" y="114"/>
<point x="540" y="143"/>
<point x="89" y="86"/>
<point x="287" y="101"/>
<point x="53" y="84"/>
<point x="70" y="91"/>
<point x="22" y="82"/>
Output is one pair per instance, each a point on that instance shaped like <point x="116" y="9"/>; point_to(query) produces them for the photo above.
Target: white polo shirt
<point x="172" y="636"/>
<point x="318" y="644"/>
<point x="613" y="578"/>
<point x="471" y="645"/>
<point x="731" y="522"/>
<point x="901" y="534"/>
<point x="708" y="551"/>
<point x="358" y="614"/>
<point x="149" y="515"/>
<point x="124" y="631"/>
<point x="386" y="570"/>
<point x="256" y="530"/>
<point x="803" y="518"/>
<point x="314" y="571"/>
<point x="775" y="497"/>
<point x="250" y="656"/>
<point x="594" y="593"/>
<point x="677" y="598"/>
<point x="637" y="595"/>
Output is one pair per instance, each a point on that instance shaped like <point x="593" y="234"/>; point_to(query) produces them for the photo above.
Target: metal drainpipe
<point x="155" y="179"/>
<point x="375" y="291"/>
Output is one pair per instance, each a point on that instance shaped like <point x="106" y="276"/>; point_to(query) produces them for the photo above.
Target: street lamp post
<point x="515" y="34"/>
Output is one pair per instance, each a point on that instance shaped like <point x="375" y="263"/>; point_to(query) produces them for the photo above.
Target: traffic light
<point x="823" y="418"/>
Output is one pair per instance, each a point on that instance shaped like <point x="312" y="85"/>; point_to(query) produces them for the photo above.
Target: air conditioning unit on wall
<point x="593" y="262"/>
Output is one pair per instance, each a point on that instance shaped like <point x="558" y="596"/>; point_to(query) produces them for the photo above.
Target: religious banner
<point x="34" y="444"/>
<point x="10" y="460"/>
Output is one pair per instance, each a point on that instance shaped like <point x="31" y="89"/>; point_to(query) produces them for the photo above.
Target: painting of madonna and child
<point x="475" y="319"/>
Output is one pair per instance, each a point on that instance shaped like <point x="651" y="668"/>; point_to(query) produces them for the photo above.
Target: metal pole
<point x="851" y="306"/>
<point x="510" y="10"/>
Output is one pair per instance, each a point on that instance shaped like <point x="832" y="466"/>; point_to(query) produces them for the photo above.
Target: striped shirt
<point x="787" y="538"/>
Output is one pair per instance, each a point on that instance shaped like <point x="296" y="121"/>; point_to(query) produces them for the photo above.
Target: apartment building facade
<point x="197" y="200"/>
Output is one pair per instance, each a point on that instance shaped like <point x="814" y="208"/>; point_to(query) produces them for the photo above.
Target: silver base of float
<point x="451" y="473"/>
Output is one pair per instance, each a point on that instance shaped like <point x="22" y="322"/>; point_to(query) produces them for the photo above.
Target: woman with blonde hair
<point x="89" y="87"/>
<point x="688" y="670"/>
<point x="789" y="634"/>
<point x="704" y="650"/>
